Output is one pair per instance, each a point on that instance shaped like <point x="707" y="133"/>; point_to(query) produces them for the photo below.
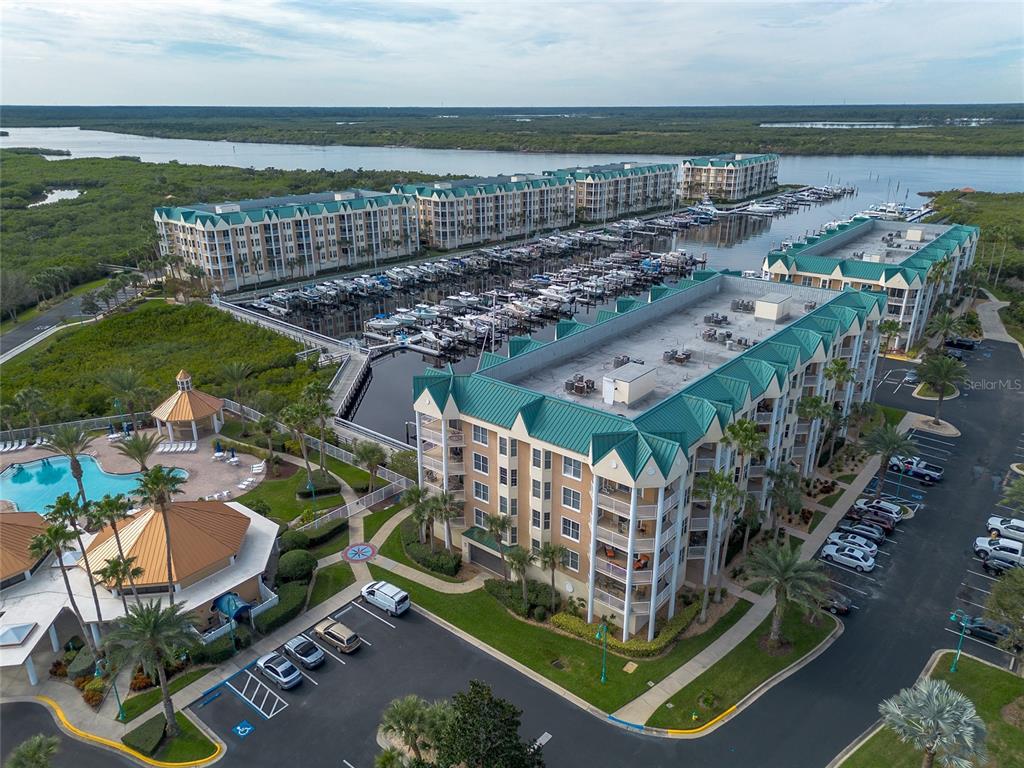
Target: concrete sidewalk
<point x="991" y="323"/>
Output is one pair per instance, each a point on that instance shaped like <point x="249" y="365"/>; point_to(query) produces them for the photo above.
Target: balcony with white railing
<point x="458" y="492"/>
<point x="757" y="470"/>
<point x="699" y="523"/>
<point x="704" y="464"/>
<point x="803" y="428"/>
<point x="616" y="570"/>
<point x="698" y="551"/>
<point x="431" y="430"/>
<point x="763" y="417"/>
<point x="609" y="599"/>
<point x="618" y="502"/>
<point x="617" y="534"/>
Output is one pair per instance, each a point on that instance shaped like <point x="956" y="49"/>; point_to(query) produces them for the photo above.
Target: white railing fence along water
<point x="88" y="425"/>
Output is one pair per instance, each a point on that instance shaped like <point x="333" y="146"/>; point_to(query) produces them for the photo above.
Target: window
<point x="535" y="518"/>
<point x="570" y="529"/>
<point x="571" y="498"/>
<point x="503" y="446"/>
<point x="480" y="463"/>
<point x="547" y="521"/>
<point x="479" y="434"/>
<point x="572" y="467"/>
<point x="481" y="491"/>
<point x="547" y="491"/>
<point x="513" y="448"/>
<point x="571" y="560"/>
<point x="503" y="504"/>
<point x="547" y="459"/>
<point x="502" y="476"/>
<point x="513" y="477"/>
<point x="479" y="518"/>
<point x="537" y="455"/>
<point x="513" y="535"/>
<point x="535" y="546"/>
<point x="535" y="489"/>
<point x="513" y="507"/>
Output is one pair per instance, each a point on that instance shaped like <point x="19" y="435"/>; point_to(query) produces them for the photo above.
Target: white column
<point x="170" y="432"/>
<point x="95" y="629"/>
<point x="444" y="454"/>
<point x="593" y="550"/>
<point x="419" y="451"/>
<point x="657" y="564"/>
<point x="630" y="548"/>
<point x="54" y="640"/>
<point x="30" y="668"/>
<point x="680" y="507"/>
<point x="195" y="432"/>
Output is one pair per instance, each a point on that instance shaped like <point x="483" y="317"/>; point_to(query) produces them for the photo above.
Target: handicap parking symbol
<point x="243" y="729"/>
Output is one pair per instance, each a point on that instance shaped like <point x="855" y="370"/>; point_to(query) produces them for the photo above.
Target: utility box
<point x="773" y="307"/>
<point x="629" y="384"/>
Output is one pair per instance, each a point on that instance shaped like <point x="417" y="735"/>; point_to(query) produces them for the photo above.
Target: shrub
<point x="297" y="565"/>
<point x="360" y="486"/>
<point x="260" y="507"/>
<point x="147" y="737"/>
<point x="319" y="535"/>
<point x="510" y="594"/>
<point x="59" y="668"/>
<point x="323" y="488"/>
<point x="635" y="647"/>
<point x="81" y="681"/>
<point x="438" y="561"/>
<point x="140" y="682"/>
<point x="83" y="664"/>
<point x="220" y="650"/>
<point x="540" y="613"/>
<point x="74" y="644"/>
<point x="404" y="463"/>
<point x="93" y="691"/>
<point x="291" y="600"/>
<point x="69" y="656"/>
<point x="292" y="539"/>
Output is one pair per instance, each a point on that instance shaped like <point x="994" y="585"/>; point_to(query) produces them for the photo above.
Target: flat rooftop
<point x="686" y="329"/>
<point x="285" y="200"/>
<point x="883" y="242"/>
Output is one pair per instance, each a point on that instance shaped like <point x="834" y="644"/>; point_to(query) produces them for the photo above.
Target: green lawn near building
<point x="146" y="700"/>
<point x="285" y="505"/>
<point x="373" y="521"/>
<point x="329" y="581"/>
<point x="191" y="745"/>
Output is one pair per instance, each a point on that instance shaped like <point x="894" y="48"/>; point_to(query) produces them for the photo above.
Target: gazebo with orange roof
<point x="188" y="406"/>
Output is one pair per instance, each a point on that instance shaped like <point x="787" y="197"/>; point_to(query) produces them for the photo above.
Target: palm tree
<point x="34" y="752"/>
<point x="235" y="374"/>
<point x="718" y="487"/>
<point x="31" y="404"/>
<point x="406" y="720"/>
<point x="446" y="509"/>
<point x="417" y="498"/>
<point x="840" y="374"/>
<point x="157" y="487"/>
<point x="369" y="455"/>
<point x="117" y="572"/>
<point x="861" y="413"/>
<point x="139" y="447"/>
<point x="298" y="418"/>
<point x="111" y="510"/>
<point x="68" y="512"/>
<point x="944" y="325"/>
<point x="785" y="492"/>
<point x="744" y="436"/>
<point x="939" y="721"/>
<point x="151" y="636"/>
<point x="792" y="580"/>
<point x="519" y="560"/>
<point x="318" y="396"/>
<point x="57" y="539"/>
<point x="1013" y="495"/>
<point x="813" y="408"/>
<point x="496" y="526"/>
<point x="551" y="556"/>
<point x="267" y="425"/>
<point x="128" y="385"/>
<point x="71" y="441"/>
<point x="940" y="372"/>
<point x="889" y="330"/>
<point x="887" y="441"/>
<point x="392" y="757"/>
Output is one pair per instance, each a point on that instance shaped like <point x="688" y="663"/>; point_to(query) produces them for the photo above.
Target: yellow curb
<point x="121" y="747"/>
<point x="708" y="724"/>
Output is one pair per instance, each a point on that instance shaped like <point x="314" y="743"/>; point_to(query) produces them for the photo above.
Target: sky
<point x="508" y="53"/>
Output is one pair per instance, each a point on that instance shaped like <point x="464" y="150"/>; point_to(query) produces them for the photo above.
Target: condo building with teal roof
<point x="597" y="440"/>
<point x="914" y="264"/>
<point x="728" y="177"/>
<point x="614" y="190"/>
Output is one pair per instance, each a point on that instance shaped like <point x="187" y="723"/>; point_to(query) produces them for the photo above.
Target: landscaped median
<point x="571" y="663"/>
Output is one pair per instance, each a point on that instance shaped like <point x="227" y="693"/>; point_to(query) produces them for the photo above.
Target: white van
<point x="386" y="596"/>
<point x="1007" y="548"/>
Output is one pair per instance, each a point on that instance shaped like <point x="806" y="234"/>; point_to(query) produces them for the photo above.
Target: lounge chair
<point x="22" y="445"/>
<point x="257" y="469"/>
<point x="192" y="447"/>
<point x="233" y="461"/>
<point x="39" y="441"/>
<point x="162" y="448"/>
<point x="5" y="447"/>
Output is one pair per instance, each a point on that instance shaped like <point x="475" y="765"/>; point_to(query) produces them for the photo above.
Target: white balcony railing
<point x="763" y="417"/>
<point x="704" y="464"/>
<point x="618" y="572"/>
<point x="699" y="523"/>
<point x="700" y="551"/>
<point x="608" y="599"/>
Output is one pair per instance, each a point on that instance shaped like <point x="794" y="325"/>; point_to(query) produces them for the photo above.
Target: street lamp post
<point x="100" y="668"/>
<point x="311" y="487"/>
<point x="959" y="617"/>
<point x="602" y="634"/>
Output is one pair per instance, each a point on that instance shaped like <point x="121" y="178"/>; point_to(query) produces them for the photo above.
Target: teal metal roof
<point x="726" y="161"/>
<point x="279" y="209"/>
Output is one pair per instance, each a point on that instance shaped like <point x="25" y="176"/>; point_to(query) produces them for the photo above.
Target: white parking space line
<point x="979" y="589"/>
<point x="544" y="739"/>
<point x="849" y="570"/>
<point x="336" y="658"/>
<point x="976" y="605"/>
<point x="918" y="436"/>
<point x="270" y="703"/>
<point x="883" y="552"/>
<point x="365" y="641"/>
<point x="371" y="613"/>
<point x="847" y="586"/>
<point x="347" y="763"/>
<point x="981" y="642"/>
<point x="983" y="575"/>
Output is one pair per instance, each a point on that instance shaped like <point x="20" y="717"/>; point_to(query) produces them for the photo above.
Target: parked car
<point x="305" y="651"/>
<point x="337" y="635"/>
<point x="279" y="670"/>
<point x="871" y="518"/>
<point x="986" y="546"/>
<point x="911" y="377"/>
<point x="836" y="603"/>
<point x="999" y="563"/>
<point x="916" y="467"/>
<point x="865" y="530"/>
<point x="956" y="354"/>
<point x="985" y="629"/>
<point x="386" y="596"/>
<point x="1006" y="527"/>
<point x="879" y="507"/>
<point x="851" y="557"/>
<point x="961" y="343"/>
<point x="852" y="540"/>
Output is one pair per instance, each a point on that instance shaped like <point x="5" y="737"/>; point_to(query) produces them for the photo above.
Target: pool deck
<point x="205" y="476"/>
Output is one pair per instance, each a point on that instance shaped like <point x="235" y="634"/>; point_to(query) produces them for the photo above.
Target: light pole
<point x="602" y="634"/>
<point x="100" y="667"/>
<point x="311" y="487"/>
<point x="960" y="617"/>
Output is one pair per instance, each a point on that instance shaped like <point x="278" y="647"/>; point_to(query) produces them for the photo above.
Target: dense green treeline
<point x="112" y="222"/>
<point x="157" y="340"/>
<point x="640" y="130"/>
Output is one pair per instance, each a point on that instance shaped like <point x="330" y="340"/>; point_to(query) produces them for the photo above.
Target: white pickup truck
<point x="916" y="467"/>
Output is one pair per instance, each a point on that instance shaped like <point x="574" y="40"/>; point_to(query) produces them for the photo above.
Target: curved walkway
<point x="991" y="323"/>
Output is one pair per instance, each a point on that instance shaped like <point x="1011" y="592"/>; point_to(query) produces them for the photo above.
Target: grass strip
<point x="146" y="700"/>
<point x="191" y="745"/>
<point x="330" y="581"/>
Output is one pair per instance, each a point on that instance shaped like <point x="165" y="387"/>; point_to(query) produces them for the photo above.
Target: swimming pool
<point x="34" y="485"/>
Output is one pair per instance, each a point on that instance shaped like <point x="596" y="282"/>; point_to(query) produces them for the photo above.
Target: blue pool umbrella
<point x="217" y="447"/>
<point x="232" y="453"/>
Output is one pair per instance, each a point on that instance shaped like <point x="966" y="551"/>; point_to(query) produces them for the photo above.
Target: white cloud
<point x="309" y="52"/>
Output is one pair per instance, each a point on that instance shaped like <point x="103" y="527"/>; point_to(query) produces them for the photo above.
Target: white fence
<point x="88" y="425"/>
<point x="359" y="505"/>
<point x="215" y="634"/>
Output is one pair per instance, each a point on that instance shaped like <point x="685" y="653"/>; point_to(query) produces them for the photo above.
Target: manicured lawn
<point x="846" y="479"/>
<point x="832" y="498"/>
<point x="281" y="496"/>
<point x="892" y="415"/>
<point x="741" y="671"/>
<point x="395" y="549"/>
<point x="143" y="702"/>
<point x="192" y="744"/>
<point x="818" y="517"/>
<point x="373" y="521"/>
<point x="482" y="616"/>
<point x="332" y="545"/>
<point x="928" y="391"/>
<point x="989" y="688"/>
<point x="329" y="581"/>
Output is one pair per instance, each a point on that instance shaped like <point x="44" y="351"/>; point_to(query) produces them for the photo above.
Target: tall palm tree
<point x="887" y="441"/>
<point x="58" y="539"/>
<point x="391" y="757"/>
<point x="151" y="636"/>
<point x="157" y="487"/>
<point x="840" y="373"/>
<point x="34" y="752"/>
<point x="406" y="720"/>
<point x="129" y="386"/>
<point x="68" y="512"/>
<point x="551" y="556"/>
<point x="318" y="397"/>
<point x="813" y="408"/>
<point x="71" y="441"/>
<point x="31" y="404"/>
<point x="267" y="425"/>
<point x="719" y="488"/>
<point x="118" y="571"/>
<point x="236" y="374"/>
<point x="1013" y="495"/>
<point x="744" y="436"/>
<point x="785" y="492"/>
<point x="861" y="413"/>
<point x="111" y="510"/>
<point x="938" y="721"/>
<point x="940" y="372"/>
<point x="298" y="418"/>
<point x="446" y="509"/>
<point x="417" y="498"/>
<point x="496" y="526"/>
<point x="519" y="560"/>
<point x="944" y="325"/>
<point x="792" y="580"/>
<point x="139" y="447"/>
<point x="889" y="329"/>
<point x="369" y="455"/>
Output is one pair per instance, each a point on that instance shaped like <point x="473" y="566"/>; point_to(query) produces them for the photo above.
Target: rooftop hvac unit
<point x="620" y="360"/>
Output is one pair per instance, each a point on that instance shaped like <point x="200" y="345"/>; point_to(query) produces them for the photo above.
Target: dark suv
<point x="962" y="343"/>
<point x="997" y="564"/>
